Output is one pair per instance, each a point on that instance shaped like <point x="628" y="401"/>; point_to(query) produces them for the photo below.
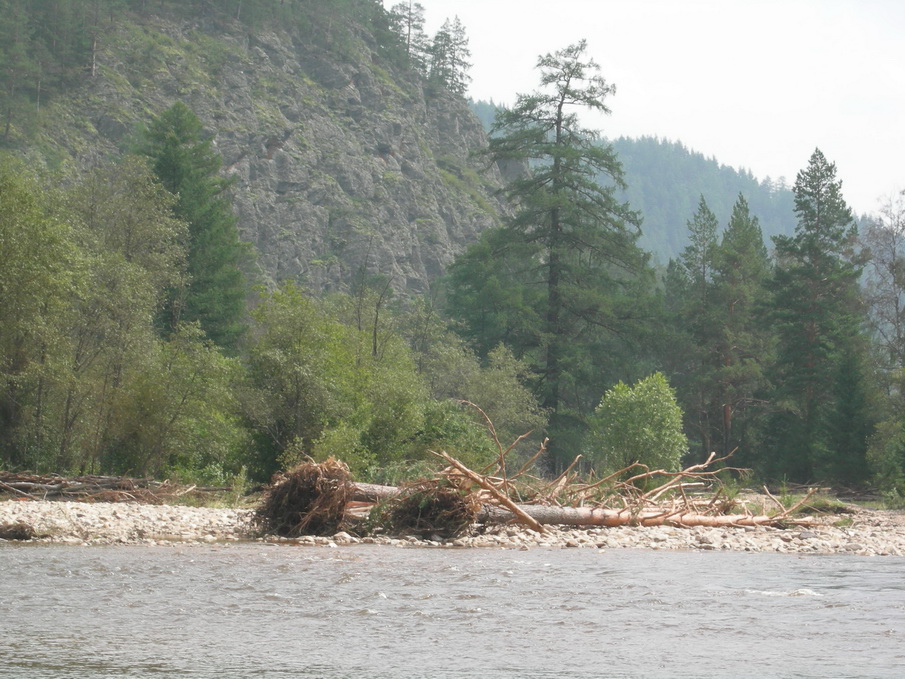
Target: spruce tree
<point x="817" y="316"/>
<point x="187" y="166"/>
<point x="741" y="270"/>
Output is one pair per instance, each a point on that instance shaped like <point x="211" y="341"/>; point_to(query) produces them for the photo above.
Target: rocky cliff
<point x="342" y="161"/>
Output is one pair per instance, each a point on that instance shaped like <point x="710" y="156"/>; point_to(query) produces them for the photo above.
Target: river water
<point x="255" y="610"/>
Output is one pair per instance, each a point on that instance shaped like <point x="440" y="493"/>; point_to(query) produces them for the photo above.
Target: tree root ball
<point x="426" y="509"/>
<point x="307" y="500"/>
<point x="16" y="531"/>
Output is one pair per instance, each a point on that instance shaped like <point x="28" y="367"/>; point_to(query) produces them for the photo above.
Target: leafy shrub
<point x="640" y="424"/>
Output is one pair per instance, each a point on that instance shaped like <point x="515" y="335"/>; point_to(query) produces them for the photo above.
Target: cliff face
<point x="341" y="162"/>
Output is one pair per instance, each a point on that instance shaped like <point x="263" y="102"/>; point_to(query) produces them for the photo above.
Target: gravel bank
<point x="870" y="533"/>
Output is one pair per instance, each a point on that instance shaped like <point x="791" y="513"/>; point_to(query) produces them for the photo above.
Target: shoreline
<point x="868" y="533"/>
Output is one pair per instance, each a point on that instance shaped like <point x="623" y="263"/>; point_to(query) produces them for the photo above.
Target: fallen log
<point x="611" y="518"/>
<point x="364" y="493"/>
<point x="497" y="496"/>
<point x="372" y="492"/>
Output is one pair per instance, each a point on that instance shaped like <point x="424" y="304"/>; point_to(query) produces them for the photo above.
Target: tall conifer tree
<point x="562" y="279"/>
<point x="741" y="270"/>
<point x="697" y="316"/>
<point x="817" y="316"/>
<point x="187" y="166"/>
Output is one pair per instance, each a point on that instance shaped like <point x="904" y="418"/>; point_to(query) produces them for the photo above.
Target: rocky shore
<point x="865" y="532"/>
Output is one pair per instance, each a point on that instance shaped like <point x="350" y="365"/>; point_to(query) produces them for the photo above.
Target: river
<point x="256" y="610"/>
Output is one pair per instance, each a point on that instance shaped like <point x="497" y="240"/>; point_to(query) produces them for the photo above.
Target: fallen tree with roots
<point x="458" y="497"/>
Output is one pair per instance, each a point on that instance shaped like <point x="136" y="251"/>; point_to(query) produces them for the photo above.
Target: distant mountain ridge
<point x="666" y="180"/>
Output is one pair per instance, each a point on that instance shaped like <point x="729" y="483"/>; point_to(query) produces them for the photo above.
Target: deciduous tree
<point x="638" y="424"/>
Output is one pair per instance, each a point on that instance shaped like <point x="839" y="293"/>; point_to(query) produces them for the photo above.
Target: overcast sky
<point x="757" y="84"/>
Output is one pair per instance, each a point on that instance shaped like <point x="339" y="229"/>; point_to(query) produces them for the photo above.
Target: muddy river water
<point x="256" y="610"/>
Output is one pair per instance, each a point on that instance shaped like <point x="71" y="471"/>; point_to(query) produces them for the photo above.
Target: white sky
<point x="757" y="84"/>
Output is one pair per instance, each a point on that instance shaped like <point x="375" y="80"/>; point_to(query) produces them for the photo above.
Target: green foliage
<point x="39" y="271"/>
<point x="398" y="473"/>
<point x="499" y="385"/>
<point x="640" y="424"/>
<point x="187" y="166"/>
<point x="44" y="47"/>
<point x="720" y="343"/>
<point x="665" y="180"/>
<point x="886" y="450"/>
<point x="407" y="20"/>
<point x="178" y="414"/>
<point x="817" y="317"/>
<point x="300" y="375"/>
<point x="745" y="347"/>
<point x="95" y="388"/>
<point x="132" y="252"/>
<point x="448" y="58"/>
<point x="317" y="386"/>
<point x="696" y="317"/>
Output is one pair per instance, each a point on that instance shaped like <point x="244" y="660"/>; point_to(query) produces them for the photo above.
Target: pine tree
<point x="697" y="316"/>
<point x="817" y="316"/>
<point x="188" y="167"/>
<point x="407" y="19"/>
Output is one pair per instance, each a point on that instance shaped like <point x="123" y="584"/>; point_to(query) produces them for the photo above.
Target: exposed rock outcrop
<point x="341" y="161"/>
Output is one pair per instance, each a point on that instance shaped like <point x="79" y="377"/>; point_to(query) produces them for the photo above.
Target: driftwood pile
<point x="451" y="503"/>
<point x="93" y="488"/>
<point x="310" y="499"/>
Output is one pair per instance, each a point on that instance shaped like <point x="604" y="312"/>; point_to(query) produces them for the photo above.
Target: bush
<point x="640" y="424"/>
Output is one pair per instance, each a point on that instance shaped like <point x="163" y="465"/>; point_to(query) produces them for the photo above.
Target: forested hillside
<point x="347" y="148"/>
<point x="234" y="235"/>
<point x="665" y="181"/>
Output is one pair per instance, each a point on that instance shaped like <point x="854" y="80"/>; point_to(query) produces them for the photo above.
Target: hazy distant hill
<point x="666" y="180"/>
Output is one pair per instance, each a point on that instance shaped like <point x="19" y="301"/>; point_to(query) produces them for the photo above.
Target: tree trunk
<point x="591" y="516"/>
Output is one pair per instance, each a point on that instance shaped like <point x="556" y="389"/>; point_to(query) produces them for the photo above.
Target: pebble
<point x="871" y="533"/>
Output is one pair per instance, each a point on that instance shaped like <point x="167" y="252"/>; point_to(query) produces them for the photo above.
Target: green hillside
<point x="666" y="181"/>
